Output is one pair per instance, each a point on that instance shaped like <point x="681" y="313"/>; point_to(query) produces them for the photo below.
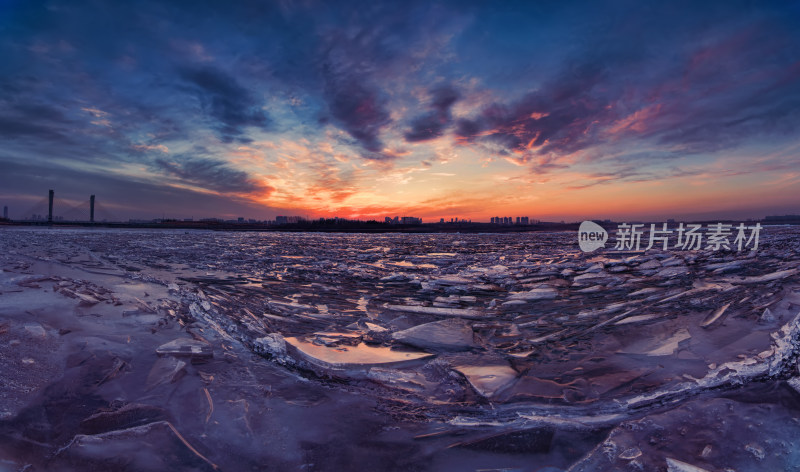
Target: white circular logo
<point x="591" y="236"/>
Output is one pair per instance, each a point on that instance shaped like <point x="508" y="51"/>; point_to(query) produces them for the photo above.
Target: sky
<point x="469" y="109"/>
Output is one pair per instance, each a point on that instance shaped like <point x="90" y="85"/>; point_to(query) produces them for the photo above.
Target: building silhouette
<point x="402" y="220"/>
<point x="509" y="220"/>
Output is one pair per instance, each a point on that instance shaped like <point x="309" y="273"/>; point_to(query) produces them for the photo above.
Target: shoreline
<point x="366" y="228"/>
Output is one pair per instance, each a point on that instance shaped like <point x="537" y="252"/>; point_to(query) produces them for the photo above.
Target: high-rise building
<point x="5" y="212"/>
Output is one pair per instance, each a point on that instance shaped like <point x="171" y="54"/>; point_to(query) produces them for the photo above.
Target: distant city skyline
<point x="81" y="211"/>
<point x="553" y="110"/>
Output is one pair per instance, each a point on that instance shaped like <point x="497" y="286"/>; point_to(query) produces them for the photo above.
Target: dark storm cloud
<point x="443" y="97"/>
<point x="208" y="173"/>
<point x="14" y="128"/>
<point x="225" y="100"/>
<point x="562" y="117"/>
<point x="369" y="49"/>
<point x="426" y="127"/>
<point x="24" y="116"/>
<point x="357" y="107"/>
<point x="433" y="124"/>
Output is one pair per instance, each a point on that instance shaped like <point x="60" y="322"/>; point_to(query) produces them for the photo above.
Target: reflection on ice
<point x="359" y="355"/>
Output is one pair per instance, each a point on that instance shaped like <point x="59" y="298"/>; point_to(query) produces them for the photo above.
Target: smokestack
<point x="50" y="209"/>
<point x="5" y="212"/>
<point x="91" y="209"/>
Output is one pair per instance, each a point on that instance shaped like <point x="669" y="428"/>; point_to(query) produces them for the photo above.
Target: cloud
<point x="561" y="117"/>
<point x="426" y="127"/>
<point x="372" y="58"/>
<point x="225" y="100"/>
<point x="432" y="124"/>
<point x="209" y="174"/>
<point x="151" y="147"/>
<point x="728" y="91"/>
<point x="357" y="107"/>
<point x="555" y="88"/>
<point x="23" y="116"/>
<point x="14" y="128"/>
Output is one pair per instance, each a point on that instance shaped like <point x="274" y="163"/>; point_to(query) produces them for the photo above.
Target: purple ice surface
<point x="199" y="350"/>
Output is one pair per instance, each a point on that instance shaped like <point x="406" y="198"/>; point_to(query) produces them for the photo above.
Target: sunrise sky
<point x="554" y="110"/>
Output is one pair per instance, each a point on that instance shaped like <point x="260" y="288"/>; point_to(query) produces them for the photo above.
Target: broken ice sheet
<point x="550" y="333"/>
<point x="707" y="433"/>
<point x="438" y="311"/>
<point x="540" y="293"/>
<point x="186" y="347"/>
<point x="165" y="370"/>
<point x="490" y="379"/>
<point x="447" y="335"/>
<point x="153" y="447"/>
<point x="659" y="347"/>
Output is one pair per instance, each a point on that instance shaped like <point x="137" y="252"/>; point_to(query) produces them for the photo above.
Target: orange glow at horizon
<point x="464" y="189"/>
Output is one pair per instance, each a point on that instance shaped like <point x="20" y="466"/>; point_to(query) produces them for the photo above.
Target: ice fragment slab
<point x="438" y="311"/>
<point x="781" y="274"/>
<point x="272" y="344"/>
<point x="446" y="335"/>
<point x="488" y="380"/>
<point x="674" y="465"/>
<point x="165" y="370"/>
<point x="659" y="347"/>
<point x="541" y="293"/>
<point x="36" y="330"/>
<point x="716" y="315"/>
<point x="154" y="447"/>
<point x="186" y="347"/>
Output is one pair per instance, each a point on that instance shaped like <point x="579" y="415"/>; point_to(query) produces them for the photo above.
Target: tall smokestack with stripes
<point x="50" y="209"/>
<point x="91" y="209"/>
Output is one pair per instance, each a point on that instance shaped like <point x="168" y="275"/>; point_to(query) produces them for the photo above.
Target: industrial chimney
<point x="91" y="209"/>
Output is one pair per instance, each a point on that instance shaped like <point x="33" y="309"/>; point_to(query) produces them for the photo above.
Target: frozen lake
<point x="147" y="350"/>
